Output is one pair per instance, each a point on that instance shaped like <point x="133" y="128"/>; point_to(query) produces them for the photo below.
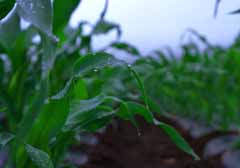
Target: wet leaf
<point x="61" y="94"/>
<point x="47" y="127"/>
<point x="80" y="109"/>
<point x="5" y="7"/>
<point x="97" y="61"/>
<point x="9" y="29"/>
<point x="49" y="54"/>
<point x="99" y="118"/>
<point x="40" y="158"/>
<point x="37" y="12"/>
<point x="5" y="138"/>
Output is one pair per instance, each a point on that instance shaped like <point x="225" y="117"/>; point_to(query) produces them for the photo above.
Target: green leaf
<point x="23" y="41"/>
<point x="38" y="13"/>
<point x="46" y="127"/>
<point x="95" y="62"/>
<point x="3" y="109"/>
<point x="99" y="118"/>
<point x="79" y="91"/>
<point x="49" y="54"/>
<point x="35" y="108"/>
<point x="125" y="47"/>
<point x="140" y="110"/>
<point x="5" y="138"/>
<point x="79" y="110"/>
<point x="62" y="13"/>
<point x="86" y="105"/>
<point x="64" y="91"/>
<point x="89" y="114"/>
<point x="141" y="86"/>
<point x="104" y="27"/>
<point x="9" y="29"/>
<point x="5" y="7"/>
<point x="177" y="139"/>
<point x="40" y="158"/>
<point x="124" y="111"/>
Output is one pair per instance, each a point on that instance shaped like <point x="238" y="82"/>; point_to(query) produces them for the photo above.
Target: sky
<point x="154" y="24"/>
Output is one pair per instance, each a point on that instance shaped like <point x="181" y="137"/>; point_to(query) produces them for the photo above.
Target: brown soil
<point x="121" y="147"/>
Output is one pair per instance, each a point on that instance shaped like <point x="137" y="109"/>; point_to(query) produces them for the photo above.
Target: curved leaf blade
<point x="99" y="119"/>
<point x="96" y="61"/>
<point x="62" y="13"/>
<point x="79" y="109"/>
<point x="64" y="91"/>
<point x="177" y="139"/>
<point x="140" y="110"/>
<point x="5" y="7"/>
<point x="37" y="12"/>
<point x="9" y="29"/>
<point x="141" y="86"/>
<point x="40" y="158"/>
<point x="5" y="138"/>
<point x="104" y="27"/>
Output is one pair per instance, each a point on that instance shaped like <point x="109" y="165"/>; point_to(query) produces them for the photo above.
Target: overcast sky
<point x="152" y="24"/>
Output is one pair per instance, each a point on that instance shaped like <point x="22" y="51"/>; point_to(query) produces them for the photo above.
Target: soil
<point x="121" y="147"/>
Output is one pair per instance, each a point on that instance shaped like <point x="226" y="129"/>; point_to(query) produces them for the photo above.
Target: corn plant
<point x="51" y="87"/>
<point x="201" y="85"/>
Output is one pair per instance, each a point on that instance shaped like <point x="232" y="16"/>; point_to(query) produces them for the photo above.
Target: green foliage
<point x="53" y="90"/>
<point x="37" y="12"/>
<point x="170" y="131"/>
<point x="62" y="13"/>
<point x="5" y="7"/>
<point x="94" y="62"/>
<point x="200" y="85"/>
<point x="125" y="47"/>
<point x="5" y="138"/>
<point x="40" y="158"/>
<point x="177" y="138"/>
<point x="10" y="24"/>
